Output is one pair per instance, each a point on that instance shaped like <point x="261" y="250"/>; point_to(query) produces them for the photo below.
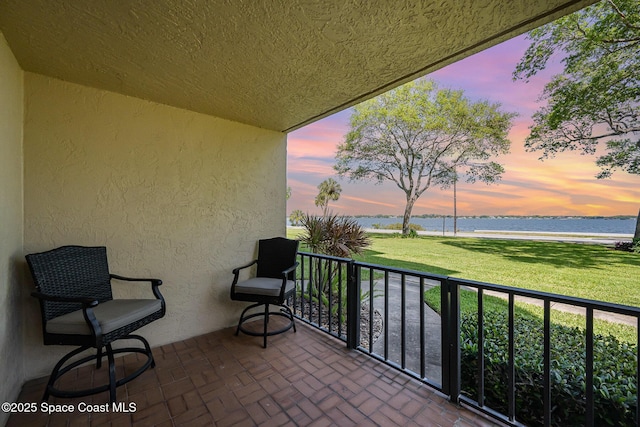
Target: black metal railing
<point x="583" y="307"/>
<point x="321" y="292"/>
<point x="407" y="339"/>
<point x="380" y="311"/>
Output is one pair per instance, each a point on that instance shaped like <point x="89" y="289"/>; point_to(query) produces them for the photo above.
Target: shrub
<point x="397" y="226"/>
<point x="411" y="235"/>
<point x="623" y="246"/>
<point x="632" y="246"/>
<point x="336" y="236"/>
<point x="615" y="369"/>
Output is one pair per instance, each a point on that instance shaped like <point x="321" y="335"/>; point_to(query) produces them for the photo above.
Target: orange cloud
<point x="564" y="185"/>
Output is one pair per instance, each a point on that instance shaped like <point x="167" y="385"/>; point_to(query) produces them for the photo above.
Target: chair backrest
<point x="70" y="271"/>
<point x="276" y="255"/>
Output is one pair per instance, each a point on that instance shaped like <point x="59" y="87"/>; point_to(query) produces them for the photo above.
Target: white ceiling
<point x="277" y="64"/>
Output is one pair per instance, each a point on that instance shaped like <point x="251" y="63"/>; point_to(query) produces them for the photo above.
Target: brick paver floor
<point x="218" y="379"/>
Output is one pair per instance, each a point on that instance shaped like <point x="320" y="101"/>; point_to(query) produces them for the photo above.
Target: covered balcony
<point x="302" y="378"/>
<point x="419" y="368"/>
<point x="158" y="129"/>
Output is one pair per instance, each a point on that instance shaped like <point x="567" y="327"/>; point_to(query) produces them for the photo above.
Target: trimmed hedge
<point x="615" y="369"/>
<point x="632" y="246"/>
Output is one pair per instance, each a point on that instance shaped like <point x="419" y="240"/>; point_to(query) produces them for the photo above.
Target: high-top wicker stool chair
<point x="74" y="289"/>
<point x="274" y="284"/>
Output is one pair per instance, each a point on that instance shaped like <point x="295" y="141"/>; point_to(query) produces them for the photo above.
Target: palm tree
<point x="329" y="190"/>
<point x="296" y="217"/>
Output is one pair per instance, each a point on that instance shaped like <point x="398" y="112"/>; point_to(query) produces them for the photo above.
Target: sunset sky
<point x="564" y="185"/>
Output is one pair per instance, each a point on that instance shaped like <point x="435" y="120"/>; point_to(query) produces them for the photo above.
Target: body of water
<point x="561" y="225"/>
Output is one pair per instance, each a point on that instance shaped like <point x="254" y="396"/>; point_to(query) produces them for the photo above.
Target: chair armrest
<point x="285" y="273"/>
<point x="237" y="270"/>
<point x="154" y="286"/>
<point x="290" y="269"/>
<point x="86" y="302"/>
<point x="87" y="310"/>
<point x="236" y="273"/>
<point x="154" y="282"/>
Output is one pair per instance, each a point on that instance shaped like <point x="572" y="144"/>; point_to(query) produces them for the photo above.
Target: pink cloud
<point x="564" y="185"/>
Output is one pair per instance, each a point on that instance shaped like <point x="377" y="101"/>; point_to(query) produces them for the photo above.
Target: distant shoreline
<point x="573" y="237"/>
<point x="623" y="217"/>
<point x="617" y="227"/>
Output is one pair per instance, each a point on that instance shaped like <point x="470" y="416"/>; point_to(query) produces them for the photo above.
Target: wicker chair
<point x="273" y="285"/>
<point x="74" y="289"/>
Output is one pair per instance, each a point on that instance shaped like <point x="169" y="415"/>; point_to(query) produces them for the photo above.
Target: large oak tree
<point x="419" y="136"/>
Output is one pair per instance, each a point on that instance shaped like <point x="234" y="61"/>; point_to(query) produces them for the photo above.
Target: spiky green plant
<point x="336" y="236"/>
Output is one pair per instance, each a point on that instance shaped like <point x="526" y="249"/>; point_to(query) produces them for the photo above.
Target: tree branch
<point x="622" y="16"/>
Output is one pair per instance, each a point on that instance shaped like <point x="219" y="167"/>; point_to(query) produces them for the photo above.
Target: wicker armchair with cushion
<point x="273" y="285"/>
<point x="73" y="285"/>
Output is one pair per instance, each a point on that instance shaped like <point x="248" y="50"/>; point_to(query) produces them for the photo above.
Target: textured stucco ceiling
<point x="277" y="64"/>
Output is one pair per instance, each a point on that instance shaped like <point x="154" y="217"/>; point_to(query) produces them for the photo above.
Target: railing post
<point x="353" y="305"/>
<point x="450" y="306"/>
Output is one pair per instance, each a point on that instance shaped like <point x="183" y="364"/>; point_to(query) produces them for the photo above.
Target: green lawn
<point x="586" y="271"/>
<point x="469" y="304"/>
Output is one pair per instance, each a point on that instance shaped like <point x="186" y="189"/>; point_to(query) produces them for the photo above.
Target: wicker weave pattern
<point x="71" y="271"/>
<point x="126" y="330"/>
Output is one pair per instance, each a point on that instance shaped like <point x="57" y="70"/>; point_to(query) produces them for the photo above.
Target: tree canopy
<point x="419" y="136"/>
<point x="329" y="190"/>
<point x="594" y="104"/>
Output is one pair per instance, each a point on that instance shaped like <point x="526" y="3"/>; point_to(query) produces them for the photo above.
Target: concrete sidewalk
<point x="592" y="238"/>
<point x="432" y="331"/>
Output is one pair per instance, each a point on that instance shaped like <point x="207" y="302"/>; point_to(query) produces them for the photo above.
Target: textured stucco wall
<point x="278" y="64"/>
<point x="172" y="194"/>
<point x="11" y="265"/>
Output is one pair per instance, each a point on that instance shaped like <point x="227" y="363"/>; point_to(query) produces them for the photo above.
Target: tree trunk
<point x="636" y="235"/>
<point x="407" y="216"/>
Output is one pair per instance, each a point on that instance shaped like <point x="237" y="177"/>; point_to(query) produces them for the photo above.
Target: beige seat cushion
<point x="111" y="315"/>
<point x="263" y="286"/>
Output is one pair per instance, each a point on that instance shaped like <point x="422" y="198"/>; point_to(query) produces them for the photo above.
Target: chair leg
<point x="99" y="358"/>
<point x="147" y="348"/>
<point x="240" y="322"/>
<point x="59" y="370"/>
<point x="112" y="374"/>
<point x="242" y="316"/>
<point x="288" y="311"/>
<point x="266" y="322"/>
<point x="55" y="373"/>
<point x="284" y="311"/>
